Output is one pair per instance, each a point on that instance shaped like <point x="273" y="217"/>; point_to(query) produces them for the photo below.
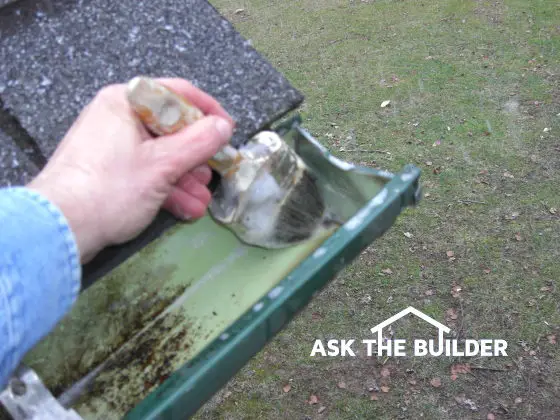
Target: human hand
<point x="110" y="177"/>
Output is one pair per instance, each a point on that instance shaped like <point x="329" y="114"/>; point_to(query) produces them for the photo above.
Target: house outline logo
<point x="410" y="310"/>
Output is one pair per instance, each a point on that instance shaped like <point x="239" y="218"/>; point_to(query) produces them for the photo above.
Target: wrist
<point x="70" y="203"/>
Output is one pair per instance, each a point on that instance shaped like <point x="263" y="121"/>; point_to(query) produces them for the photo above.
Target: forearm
<point x="39" y="272"/>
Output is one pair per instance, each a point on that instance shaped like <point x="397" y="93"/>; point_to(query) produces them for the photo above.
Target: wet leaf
<point x="551" y="338"/>
<point x="385" y="372"/>
<point x="385" y="389"/>
<point x="341" y="385"/>
<point x="408" y="234"/>
<point x="435" y="382"/>
<point x="286" y="388"/>
<point x="313" y="399"/>
<point x="385" y="104"/>
<point x="387" y="271"/>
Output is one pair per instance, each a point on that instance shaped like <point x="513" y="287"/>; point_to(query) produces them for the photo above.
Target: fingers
<point x="203" y="101"/>
<point x="203" y="174"/>
<point x="191" y="147"/>
<point x="190" y="204"/>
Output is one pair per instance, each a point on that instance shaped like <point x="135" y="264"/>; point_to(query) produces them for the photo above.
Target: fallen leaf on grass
<point x="429" y="163"/>
<point x="341" y="385"/>
<point x="286" y="388"/>
<point x="508" y="175"/>
<point x="412" y="381"/>
<point x="450" y="254"/>
<point x="518" y="400"/>
<point x="429" y="292"/>
<point x="316" y="315"/>
<point x="459" y="368"/>
<point x="518" y="237"/>
<point x="366" y="299"/>
<point x="387" y="271"/>
<point x="373" y="397"/>
<point x="385" y="103"/>
<point x="487" y="270"/>
<point x="321" y="409"/>
<point x="408" y="234"/>
<point x="384" y="389"/>
<point x="546" y="289"/>
<point x="470" y="404"/>
<point x="238" y="11"/>
<point x="552" y="210"/>
<point x="490" y="416"/>
<point x="385" y="372"/>
<point x="436" y="382"/>
<point x="551" y="338"/>
<point x="427" y="195"/>
<point x="437" y="170"/>
<point x="313" y="399"/>
<point x="456" y="290"/>
<point x="451" y="313"/>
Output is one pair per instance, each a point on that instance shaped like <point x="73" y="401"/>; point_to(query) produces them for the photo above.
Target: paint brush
<point x="267" y="196"/>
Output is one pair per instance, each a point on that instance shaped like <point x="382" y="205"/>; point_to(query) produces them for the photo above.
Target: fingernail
<point x="223" y="127"/>
<point x="178" y="211"/>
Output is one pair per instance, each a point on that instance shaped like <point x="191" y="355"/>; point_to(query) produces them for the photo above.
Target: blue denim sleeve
<point x="40" y="272"/>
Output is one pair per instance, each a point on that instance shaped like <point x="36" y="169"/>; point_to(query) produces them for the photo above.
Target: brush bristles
<point x="301" y="212"/>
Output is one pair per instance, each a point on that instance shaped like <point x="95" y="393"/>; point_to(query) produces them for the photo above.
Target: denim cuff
<point x="40" y="272"/>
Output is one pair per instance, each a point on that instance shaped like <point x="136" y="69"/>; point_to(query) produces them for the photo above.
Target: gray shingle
<point x="52" y="62"/>
<point x="15" y="168"/>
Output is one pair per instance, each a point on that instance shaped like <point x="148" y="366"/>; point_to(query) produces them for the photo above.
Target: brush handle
<point x="164" y="112"/>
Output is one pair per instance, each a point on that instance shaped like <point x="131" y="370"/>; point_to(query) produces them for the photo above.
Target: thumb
<point x="195" y="144"/>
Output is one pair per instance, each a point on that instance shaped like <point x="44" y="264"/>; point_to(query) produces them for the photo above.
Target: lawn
<point x="475" y="103"/>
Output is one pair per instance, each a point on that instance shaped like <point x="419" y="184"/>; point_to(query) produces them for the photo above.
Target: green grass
<point x="472" y="85"/>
